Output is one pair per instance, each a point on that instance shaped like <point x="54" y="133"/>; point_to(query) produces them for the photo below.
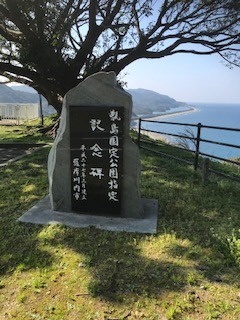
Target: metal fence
<point x="197" y="140"/>
<point x="18" y="112"/>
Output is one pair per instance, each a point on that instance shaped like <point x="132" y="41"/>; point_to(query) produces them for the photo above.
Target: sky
<point x="187" y="78"/>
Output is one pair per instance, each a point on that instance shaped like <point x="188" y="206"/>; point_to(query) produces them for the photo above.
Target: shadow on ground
<point x="115" y="261"/>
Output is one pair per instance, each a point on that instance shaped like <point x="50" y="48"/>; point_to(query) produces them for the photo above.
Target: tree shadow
<point x="22" y="184"/>
<point x="206" y="215"/>
<point x="11" y="152"/>
<point x="20" y="249"/>
<point x="115" y="261"/>
<point x="118" y="267"/>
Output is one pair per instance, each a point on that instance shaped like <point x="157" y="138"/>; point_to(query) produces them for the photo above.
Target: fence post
<point x="198" y="138"/>
<point x="139" y="131"/>
<point x="41" y="109"/>
<point x="205" y="170"/>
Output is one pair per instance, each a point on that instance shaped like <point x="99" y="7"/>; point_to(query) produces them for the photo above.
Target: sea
<point x="211" y="114"/>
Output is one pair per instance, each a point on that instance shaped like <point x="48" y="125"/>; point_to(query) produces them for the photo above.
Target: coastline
<point x="209" y="114"/>
<point x="158" y="136"/>
<point x="171" y="114"/>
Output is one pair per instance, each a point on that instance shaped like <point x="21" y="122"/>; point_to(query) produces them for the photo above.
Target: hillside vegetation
<point x="145" y="102"/>
<point x="8" y="95"/>
<point x="188" y="270"/>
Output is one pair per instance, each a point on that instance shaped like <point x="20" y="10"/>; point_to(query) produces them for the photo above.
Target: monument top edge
<point x="105" y="77"/>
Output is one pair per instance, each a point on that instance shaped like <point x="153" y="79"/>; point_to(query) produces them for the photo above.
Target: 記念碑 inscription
<point x="96" y="146"/>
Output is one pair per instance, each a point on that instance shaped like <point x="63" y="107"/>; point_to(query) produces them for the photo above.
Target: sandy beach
<point x="158" y="136"/>
<point x="171" y="114"/>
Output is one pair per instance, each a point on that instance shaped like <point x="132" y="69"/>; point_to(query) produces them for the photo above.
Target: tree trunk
<point x="52" y="129"/>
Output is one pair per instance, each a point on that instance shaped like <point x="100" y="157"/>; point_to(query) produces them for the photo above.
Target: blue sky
<point x="187" y="78"/>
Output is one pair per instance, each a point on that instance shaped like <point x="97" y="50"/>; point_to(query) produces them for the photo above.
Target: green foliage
<point x="234" y="245"/>
<point x="189" y="270"/>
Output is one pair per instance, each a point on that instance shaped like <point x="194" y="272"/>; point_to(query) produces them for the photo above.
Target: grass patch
<point x="27" y="133"/>
<point x="189" y="270"/>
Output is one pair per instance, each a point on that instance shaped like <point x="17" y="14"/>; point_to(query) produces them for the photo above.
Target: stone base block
<point x="42" y="213"/>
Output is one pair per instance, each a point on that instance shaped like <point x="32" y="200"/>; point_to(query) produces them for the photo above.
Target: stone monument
<point x="94" y="166"/>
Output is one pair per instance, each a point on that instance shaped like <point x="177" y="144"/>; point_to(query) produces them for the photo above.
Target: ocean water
<point x="212" y="114"/>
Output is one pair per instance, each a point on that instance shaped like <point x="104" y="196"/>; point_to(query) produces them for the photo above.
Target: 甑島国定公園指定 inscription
<point x="96" y="146"/>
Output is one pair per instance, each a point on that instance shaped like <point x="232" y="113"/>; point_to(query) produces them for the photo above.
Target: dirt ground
<point x="10" y="152"/>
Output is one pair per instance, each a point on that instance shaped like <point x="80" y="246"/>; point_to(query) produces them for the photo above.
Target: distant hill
<point x="23" y="94"/>
<point x="8" y="95"/>
<point x="147" y="102"/>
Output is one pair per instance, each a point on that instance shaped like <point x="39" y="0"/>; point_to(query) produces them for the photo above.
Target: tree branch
<point x="17" y="18"/>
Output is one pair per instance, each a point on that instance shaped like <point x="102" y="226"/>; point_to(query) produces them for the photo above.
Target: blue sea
<point x="211" y="114"/>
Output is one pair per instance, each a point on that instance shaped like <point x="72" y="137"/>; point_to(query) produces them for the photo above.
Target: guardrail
<point x="197" y="142"/>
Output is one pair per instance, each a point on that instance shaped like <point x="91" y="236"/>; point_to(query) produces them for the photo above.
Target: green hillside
<point x="8" y="95"/>
<point x="146" y="102"/>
